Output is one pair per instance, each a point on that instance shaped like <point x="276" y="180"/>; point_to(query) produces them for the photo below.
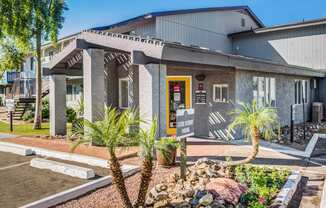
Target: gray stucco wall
<point x="285" y="96"/>
<point x="211" y="119"/>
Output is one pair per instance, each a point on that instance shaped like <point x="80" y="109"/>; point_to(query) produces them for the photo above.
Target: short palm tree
<point x="254" y="121"/>
<point x="147" y="142"/>
<point x="110" y="131"/>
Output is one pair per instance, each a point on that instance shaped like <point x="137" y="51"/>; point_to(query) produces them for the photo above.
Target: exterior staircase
<point x="24" y="101"/>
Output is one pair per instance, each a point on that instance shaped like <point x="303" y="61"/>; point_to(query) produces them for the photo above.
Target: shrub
<point x="263" y="183"/>
<point x="45" y="108"/>
<point x="71" y="115"/>
<point x="28" y="116"/>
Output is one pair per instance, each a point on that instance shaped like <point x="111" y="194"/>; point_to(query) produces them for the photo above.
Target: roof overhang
<point x="146" y="51"/>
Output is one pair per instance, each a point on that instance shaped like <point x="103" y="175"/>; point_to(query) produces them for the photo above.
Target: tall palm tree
<point x="147" y="142"/>
<point x="110" y="131"/>
<point x="254" y="121"/>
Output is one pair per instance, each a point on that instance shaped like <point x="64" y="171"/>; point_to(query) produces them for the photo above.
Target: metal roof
<point x="184" y="11"/>
<point x="302" y="24"/>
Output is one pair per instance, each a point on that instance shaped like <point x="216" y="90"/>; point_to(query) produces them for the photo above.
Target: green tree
<point x="116" y="128"/>
<point x="254" y="121"/>
<point x="147" y="142"/>
<point x="110" y="132"/>
<point x="30" y="22"/>
<point x="11" y="56"/>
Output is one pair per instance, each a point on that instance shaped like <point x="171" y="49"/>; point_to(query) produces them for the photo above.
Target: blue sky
<point x="83" y="14"/>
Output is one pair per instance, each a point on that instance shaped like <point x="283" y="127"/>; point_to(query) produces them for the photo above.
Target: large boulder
<point x="226" y="189"/>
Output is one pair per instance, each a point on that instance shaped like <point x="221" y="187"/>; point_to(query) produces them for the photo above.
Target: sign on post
<point x="10" y="106"/>
<point x="185" y="123"/>
<point x="185" y="128"/>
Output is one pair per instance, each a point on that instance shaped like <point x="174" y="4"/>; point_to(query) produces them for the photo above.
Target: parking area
<point x="21" y="184"/>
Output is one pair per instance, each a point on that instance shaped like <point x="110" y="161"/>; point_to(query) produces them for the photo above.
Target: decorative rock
<point x="206" y="200"/>
<point x="161" y="204"/>
<point x="227" y="189"/>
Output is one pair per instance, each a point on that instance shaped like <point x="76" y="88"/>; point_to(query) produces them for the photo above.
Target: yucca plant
<point x="109" y="131"/>
<point x="147" y="142"/>
<point x="254" y="121"/>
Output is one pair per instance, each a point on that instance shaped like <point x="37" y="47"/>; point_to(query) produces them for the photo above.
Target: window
<point x="221" y="93"/>
<point x="264" y="91"/>
<point x="243" y="22"/>
<point x="123" y="93"/>
<point x="301" y="91"/>
<point x="32" y="64"/>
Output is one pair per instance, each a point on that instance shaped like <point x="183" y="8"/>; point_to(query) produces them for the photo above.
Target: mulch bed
<point x="65" y="146"/>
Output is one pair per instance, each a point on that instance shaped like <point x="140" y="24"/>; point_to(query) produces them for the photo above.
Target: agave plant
<point x="109" y="131"/>
<point x="254" y="121"/>
<point x="147" y="142"/>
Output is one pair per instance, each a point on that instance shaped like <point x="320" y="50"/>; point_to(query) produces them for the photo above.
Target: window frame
<point x="125" y="79"/>
<point x="302" y="92"/>
<point x="268" y="91"/>
<point x="221" y="94"/>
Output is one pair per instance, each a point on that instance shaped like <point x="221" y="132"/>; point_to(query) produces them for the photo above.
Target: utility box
<point x="317" y="112"/>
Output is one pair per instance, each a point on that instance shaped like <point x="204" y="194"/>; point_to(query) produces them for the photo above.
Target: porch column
<point x="57" y="102"/>
<point x="152" y="95"/>
<point x="94" y="88"/>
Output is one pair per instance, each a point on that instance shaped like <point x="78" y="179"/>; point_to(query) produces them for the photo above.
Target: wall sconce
<point x="200" y="77"/>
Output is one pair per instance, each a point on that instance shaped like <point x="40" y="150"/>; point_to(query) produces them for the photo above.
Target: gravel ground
<point x="65" y="146"/>
<point x="108" y="196"/>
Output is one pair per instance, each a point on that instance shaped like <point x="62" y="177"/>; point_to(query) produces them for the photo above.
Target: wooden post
<point x="183" y="158"/>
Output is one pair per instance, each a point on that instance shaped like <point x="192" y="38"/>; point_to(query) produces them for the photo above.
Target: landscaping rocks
<point x="227" y="189"/>
<point x="298" y="132"/>
<point x="193" y="192"/>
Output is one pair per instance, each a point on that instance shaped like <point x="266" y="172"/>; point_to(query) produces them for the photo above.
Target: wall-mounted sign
<point x="200" y="86"/>
<point x="177" y="96"/>
<point x="176" y="88"/>
<point x="185" y="123"/>
<point x="200" y="97"/>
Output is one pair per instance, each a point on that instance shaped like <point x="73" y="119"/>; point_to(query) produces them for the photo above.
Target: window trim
<point x="221" y="99"/>
<point x="265" y="78"/>
<point x="305" y="83"/>
<point x="120" y="98"/>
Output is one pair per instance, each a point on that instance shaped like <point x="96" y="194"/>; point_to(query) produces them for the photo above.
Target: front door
<point x="177" y="97"/>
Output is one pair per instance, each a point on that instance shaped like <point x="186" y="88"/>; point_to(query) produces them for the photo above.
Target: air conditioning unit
<point x="317" y="112"/>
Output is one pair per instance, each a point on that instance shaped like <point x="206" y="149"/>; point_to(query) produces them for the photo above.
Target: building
<point x="207" y="59"/>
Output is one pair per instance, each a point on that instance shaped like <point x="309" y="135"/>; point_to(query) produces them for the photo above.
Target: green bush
<point x="28" y="115"/>
<point x="263" y="183"/>
<point x="71" y="115"/>
<point x="45" y="108"/>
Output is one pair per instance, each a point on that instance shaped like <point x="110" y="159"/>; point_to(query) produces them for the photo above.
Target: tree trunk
<point x="38" y="100"/>
<point x="118" y="180"/>
<point x="255" y="148"/>
<point x="146" y="176"/>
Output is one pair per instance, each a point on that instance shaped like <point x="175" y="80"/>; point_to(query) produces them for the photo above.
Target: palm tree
<point x="254" y="121"/>
<point x="147" y="142"/>
<point x="110" y="132"/>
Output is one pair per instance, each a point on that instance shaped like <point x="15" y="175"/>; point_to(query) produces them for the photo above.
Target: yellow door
<point x="177" y="97"/>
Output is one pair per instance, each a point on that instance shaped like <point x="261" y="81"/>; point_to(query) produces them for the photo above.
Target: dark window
<point x="32" y="64"/>
<point x="243" y="22"/>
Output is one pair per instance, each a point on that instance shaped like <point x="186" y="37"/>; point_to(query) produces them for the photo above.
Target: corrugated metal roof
<point x="184" y="11"/>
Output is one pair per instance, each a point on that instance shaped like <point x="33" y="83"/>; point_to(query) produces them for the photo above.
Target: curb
<point x="16" y="150"/>
<point x="77" y="191"/>
<point x="323" y="196"/>
<point x="286" y="193"/>
<point x="94" y="161"/>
